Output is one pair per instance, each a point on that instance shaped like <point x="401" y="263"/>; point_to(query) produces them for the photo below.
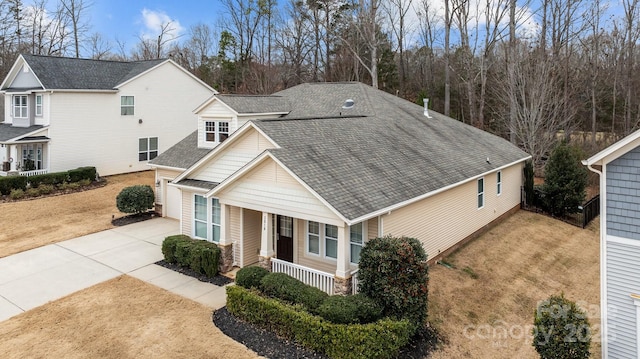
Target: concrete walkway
<point x="38" y="276"/>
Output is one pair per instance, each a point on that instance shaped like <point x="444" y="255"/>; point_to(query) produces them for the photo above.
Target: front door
<point x="285" y="238"/>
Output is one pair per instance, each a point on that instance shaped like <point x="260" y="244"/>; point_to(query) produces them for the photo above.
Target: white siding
<point x="87" y="129"/>
<point x="236" y="234"/>
<point x="623" y="279"/>
<point x="215" y="112"/>
<point x="187" y="213"/>
<point x="224" y="164"/>
<point x="445" y="219"/>
<point x="251" y="232"/>
<point x="270" y="188"/>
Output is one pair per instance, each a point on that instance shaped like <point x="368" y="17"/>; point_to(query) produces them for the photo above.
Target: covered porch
<point x="25" y="158"/>
<point x="323" y="255"/>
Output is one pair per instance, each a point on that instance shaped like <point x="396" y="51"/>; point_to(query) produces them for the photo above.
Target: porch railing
<point x="312" y="277"/>
<point x="33" y="173"/>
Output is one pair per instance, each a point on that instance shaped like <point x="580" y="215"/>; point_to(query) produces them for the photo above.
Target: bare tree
<point x="76" y="10"/>
<point x="397" y="11"/>
<point x="99" y="47"/>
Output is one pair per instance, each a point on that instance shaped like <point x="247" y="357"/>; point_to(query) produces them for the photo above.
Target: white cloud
<point x="153" y="22"/>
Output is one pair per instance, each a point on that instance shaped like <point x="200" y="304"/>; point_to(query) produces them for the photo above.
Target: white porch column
<point x="225" y="225"/>
<point x="266" y="240"/>
<point x="343" y="269"/>
<point x="13" y="154"/>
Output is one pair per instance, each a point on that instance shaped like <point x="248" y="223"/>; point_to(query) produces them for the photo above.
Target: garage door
<point x="172" y="202"/>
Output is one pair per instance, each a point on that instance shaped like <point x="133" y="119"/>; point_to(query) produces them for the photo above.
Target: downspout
<point x="603" y="261"/>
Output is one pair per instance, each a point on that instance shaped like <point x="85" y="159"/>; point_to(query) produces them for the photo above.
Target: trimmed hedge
<point x="382" y="339"/>
<point x="350" y="309"/>
<point x="287" y="288"/>
<point x="250" y="277"/>
<point x="9" y="183"/>
<point x="201" y="256"/>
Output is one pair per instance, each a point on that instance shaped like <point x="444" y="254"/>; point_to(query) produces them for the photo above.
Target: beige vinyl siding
<point x="224" y="164"/>
<point x="214" y="112"/>
<point x="252" y="231"/>
<point x="309" y="260"/>
<point x="268" y="187"/>
<point x="235" y="233"/>
<point x="443" y="220"/>
<point x="187" y="213"/>
<point x="372" y="228"/>
<point x="163" y="176"/>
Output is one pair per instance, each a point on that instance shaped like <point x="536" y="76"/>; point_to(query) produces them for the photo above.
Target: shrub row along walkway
<point x="35" y="277"/>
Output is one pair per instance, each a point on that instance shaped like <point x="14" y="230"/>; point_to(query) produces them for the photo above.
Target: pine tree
<point x="565" y="181"/>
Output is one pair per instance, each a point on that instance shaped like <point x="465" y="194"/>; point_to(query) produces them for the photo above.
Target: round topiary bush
<point x="135" y="199"/>
<point x="561" y="329"/>
<point x="250" y="277"/>
<point x="350" y="309"/>
<point x="393" y="272"/>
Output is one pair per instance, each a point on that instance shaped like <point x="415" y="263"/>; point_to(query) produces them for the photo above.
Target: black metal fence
<point x="585" y="214"/>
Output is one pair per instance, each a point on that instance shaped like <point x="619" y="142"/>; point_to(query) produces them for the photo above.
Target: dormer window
<point x="20" y="108"/>
<point x="216" y="131"/>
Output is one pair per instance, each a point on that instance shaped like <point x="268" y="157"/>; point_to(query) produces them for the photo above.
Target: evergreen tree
<point x="565" y="180"/>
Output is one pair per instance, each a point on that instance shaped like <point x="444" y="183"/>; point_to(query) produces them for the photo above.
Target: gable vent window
<point x="126" y="105"/>
<point x="216" y="131"/>
<point x="147" y="148"/>
<point x="20" y="108"/>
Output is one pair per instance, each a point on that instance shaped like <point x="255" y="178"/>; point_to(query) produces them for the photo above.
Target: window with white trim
<point x="499" y="182"/>
<point x="480" y="192"/>
<point x="331" y="241"/>
<point x="38" y="105"/>
<point x="20" y="108"/>
<point x="215" y="220"/>
<point x="200" y="217"/>
<point x="205" y="226"/>
<point x="126" y="105"/>
<point x="216" y="131"/>
<point x="147" y="148"/>
<point x="313" y="237"/>
<point x="356" y="241"/>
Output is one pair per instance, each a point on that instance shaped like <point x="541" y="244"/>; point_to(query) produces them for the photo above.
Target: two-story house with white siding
<point x="619" y="170"/>
<point x="299" y="181"/>
<point x="62" y="113"/>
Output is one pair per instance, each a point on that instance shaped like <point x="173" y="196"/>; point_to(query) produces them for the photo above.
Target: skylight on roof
<point x="348" y="104"/>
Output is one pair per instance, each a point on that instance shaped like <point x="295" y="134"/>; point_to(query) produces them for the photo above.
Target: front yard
<point x="483" y="307"/>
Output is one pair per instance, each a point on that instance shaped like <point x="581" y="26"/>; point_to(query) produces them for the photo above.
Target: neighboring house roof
<point x="181" y="155"/>
<point x="9" y="132"/>
<point x="249" y="104"/>
<point x="85" y="74"/>
<point x="380" y="153"/>
<point x="615" y="150"/>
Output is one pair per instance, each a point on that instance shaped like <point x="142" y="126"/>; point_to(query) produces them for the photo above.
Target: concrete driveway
<point x="38" y="276"/>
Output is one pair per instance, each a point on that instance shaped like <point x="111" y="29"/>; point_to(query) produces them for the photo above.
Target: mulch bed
<point x="133" y="218"/>
<point x="58" y="192"/>
<point x="218" y="280"/>
<point x="266" y="343"/>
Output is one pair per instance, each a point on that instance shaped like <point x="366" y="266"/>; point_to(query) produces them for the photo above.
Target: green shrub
<point x="9" y="183"/>
<point x="350" y="309"/>
<point x="84" y="182"/>
<point x="73" y="185"/>
<point x="201" y="256"/>
<point x="32" y="192"/>
<point x="45" y="188"/>
<point x="169" y="247"/>
<point x="81" y="173"/>
<point x="16" y="194"/>
<point x="53" y="178"/>
<point x="135" y="199"/>
<point x="393" y="272"/>
<point x="250" y="277"/>
<point x="382" y="339"/>
<point x="561" y="329"/>
<point x="285" y="287"/>
<point x="565" y="180"/>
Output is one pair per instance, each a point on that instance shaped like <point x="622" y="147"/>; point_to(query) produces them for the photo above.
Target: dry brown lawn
<point x="34" y="223"/>
<point x="517" y="264"/>
<point x="121" y="318"/>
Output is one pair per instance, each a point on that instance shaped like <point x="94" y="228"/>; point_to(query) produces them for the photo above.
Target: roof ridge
<point x="94" y="60"/>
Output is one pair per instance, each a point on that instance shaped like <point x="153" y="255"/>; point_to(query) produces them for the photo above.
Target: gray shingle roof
<point x="364" y="164"/>
<point x="183" y="154"/>
<point x="198" y="183"/>
<point x="63" y="73"/>
<point x="8" y="132"/>
<point x="255" y="103"/>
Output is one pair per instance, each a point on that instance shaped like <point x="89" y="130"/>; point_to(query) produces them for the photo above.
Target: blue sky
<point x="128" y="20"/>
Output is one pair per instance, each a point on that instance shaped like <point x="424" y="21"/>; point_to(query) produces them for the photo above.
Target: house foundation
<point x="342" y="286"/>
<point x="226" y="257"/>
<point x="265" y="262"/>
